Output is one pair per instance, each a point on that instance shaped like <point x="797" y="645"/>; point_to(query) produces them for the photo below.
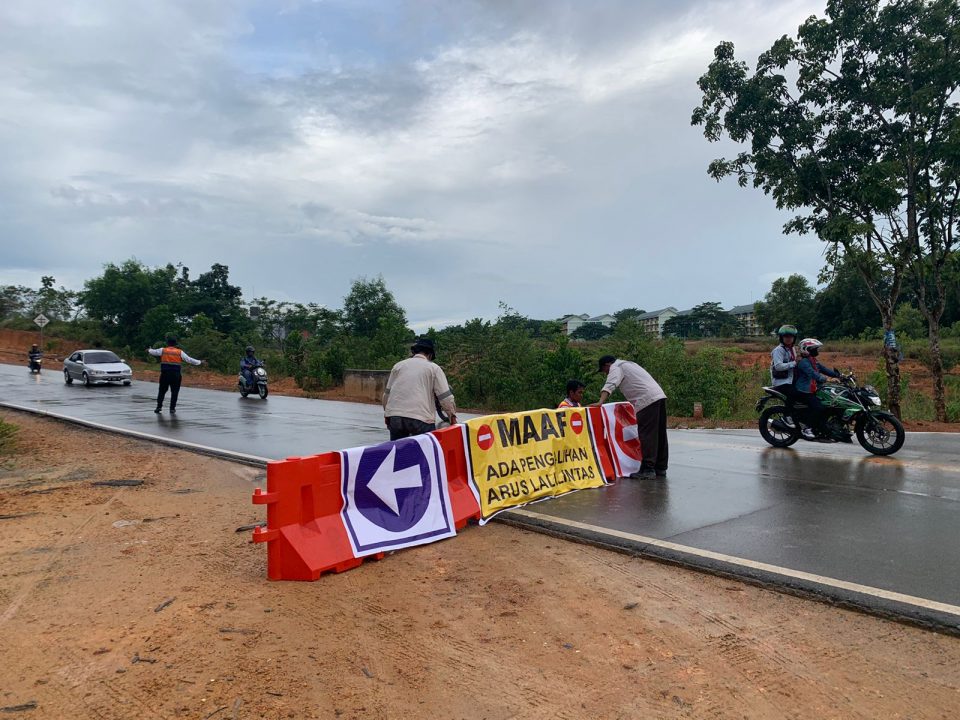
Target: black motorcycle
<point x="34" y="363"/>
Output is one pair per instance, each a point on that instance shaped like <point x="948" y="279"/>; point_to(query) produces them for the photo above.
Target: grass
<point x="8" y="439"/>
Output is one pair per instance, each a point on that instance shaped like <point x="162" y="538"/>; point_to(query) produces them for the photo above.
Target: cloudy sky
<point x="538" y="153"/>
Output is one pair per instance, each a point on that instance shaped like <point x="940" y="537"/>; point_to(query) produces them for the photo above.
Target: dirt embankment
<point x="141" y="601"/>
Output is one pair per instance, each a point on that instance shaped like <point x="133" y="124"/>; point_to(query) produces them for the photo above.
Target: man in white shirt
<point x="650" y="403"/>
<point x="413" y="390"/>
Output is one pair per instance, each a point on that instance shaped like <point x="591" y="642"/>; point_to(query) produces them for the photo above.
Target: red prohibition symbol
<point x="484" y="437"/>
<point x="576" y="423"/>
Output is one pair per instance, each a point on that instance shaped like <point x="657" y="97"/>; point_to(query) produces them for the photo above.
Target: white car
<point x="96" y="367"/>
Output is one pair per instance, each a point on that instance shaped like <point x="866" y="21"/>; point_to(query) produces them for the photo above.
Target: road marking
<point x="752" y="564"/>
<point x="142" y="435"/>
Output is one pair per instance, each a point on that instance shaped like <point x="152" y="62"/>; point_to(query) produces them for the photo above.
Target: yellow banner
<point x="518" y="458"/>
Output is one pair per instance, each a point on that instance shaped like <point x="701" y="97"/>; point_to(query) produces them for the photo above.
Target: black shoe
<point x="173" y="411"/>
<point x="643" y="474"/>
<point x="158" y="410"/>
<point x="661" y="473"/>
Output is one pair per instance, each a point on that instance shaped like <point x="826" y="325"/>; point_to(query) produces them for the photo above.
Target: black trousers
<point x="169" y="379"/>
<point x="401" y="427"/>
<point x="652" y="429"/>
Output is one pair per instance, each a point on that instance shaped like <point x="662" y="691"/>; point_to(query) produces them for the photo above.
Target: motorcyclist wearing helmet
<point x="35" y="353"/>
<point x="783" y="363"/>
<point x="810" y="375"/>
<point x="247" y="363"/>
<point x="784" y="359"/>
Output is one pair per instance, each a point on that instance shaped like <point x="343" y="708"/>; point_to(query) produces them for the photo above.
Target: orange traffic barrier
<point x="462" y="500"/>
<point x="304" y="533"/>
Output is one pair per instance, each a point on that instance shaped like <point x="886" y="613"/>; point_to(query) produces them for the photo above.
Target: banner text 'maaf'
<point x="518" y="458"/>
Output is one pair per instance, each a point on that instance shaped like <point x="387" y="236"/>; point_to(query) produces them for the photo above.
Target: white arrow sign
<point x="386" y="481"/>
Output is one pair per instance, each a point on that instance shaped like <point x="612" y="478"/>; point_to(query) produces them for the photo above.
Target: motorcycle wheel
<point x="881" y="433"/>
<point x="243" y="391"/>
<point x="777" y="426"/>
<point x="262" y="389"/>
<point x="66" y="377"/>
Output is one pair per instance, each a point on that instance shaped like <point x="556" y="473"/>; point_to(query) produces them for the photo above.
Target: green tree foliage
<point x="628" y="313"/>
<point x="18" y="301"/>
<point x="854" y="124"/>
<point x="790" y="300"/>
<point x="367" y="304"/>
<point x="909" y="322"/>
<point x="707" y="319"/>
<point x="844" y="307"/>
<point x="591" y="331"/>
<point x="139" y="306"/>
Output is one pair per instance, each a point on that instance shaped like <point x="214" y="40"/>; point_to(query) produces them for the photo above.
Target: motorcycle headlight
<point x="261" y="372"/>
<point x="875" y="399"/>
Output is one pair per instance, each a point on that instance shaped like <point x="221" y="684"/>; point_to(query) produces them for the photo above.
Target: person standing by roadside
<point x="414" y="387"/>
<point x="171" y="360"/>
<point x="574" y="396"/>
<point x="650" y="403"/>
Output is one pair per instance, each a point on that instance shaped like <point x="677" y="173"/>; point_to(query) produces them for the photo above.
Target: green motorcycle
<point x="850" y="409"/>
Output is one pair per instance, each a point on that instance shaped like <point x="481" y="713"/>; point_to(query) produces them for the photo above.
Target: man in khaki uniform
<point x="413" y="390"/>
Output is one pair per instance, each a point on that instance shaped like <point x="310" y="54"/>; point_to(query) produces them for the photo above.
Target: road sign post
<point x="42" y="321"/>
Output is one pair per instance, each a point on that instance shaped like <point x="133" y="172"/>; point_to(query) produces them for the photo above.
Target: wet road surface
<point x="832" y="520"/>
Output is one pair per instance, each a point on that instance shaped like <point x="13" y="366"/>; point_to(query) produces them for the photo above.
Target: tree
<point x="591" y="331"/>
<point x="863" y="140"/>
<point x="707" y="319"/>
<point x="366" y="304"/>
<point x="790" y="300"/>
<point x="628" y="313"/>
<point x="681" y="326"/>
<point x="844" y="307"/>
<point x="121" y="297"/>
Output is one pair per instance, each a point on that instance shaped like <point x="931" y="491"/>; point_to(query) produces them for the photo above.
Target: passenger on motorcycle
<point x="810" y="375"/>
<point x="247" y="363"/>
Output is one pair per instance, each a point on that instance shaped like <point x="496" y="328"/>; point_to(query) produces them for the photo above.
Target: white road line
<point x="743" y="562"/>
<point x="136" y="433"/>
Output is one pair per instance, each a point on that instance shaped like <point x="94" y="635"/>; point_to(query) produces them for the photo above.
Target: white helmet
<point x="808" y="344"/>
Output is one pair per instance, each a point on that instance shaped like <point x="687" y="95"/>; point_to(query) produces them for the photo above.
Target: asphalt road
<point x="830" y="520"/>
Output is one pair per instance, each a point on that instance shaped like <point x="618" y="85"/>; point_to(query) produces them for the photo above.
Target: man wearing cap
<point x="650" y="403"/>
<point x="171" y="359"/>
<point x="414" y="387"/>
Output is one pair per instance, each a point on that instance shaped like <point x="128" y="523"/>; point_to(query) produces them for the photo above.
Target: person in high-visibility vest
<point x="574" y="396"/>
<point x="171" y="359"/>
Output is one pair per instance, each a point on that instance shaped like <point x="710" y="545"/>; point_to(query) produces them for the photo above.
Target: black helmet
<point x="250" y="350"/>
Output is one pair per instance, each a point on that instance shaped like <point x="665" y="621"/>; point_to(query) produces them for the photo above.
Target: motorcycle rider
<point x="783" y="362"/>
<point x="247" y="364"/>
<point x="34" y="355"/>
<point x="810" y="375"/>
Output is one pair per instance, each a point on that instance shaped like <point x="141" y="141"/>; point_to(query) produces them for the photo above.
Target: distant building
<point x="652" y="322"/>
<point x="570" y="323"/>
<point x="747" y="319"/>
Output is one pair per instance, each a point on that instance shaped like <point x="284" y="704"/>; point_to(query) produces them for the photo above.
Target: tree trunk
<point x="936" y="367"/>
<point x="891" y="359"/>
